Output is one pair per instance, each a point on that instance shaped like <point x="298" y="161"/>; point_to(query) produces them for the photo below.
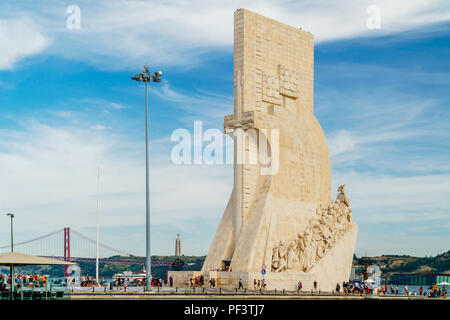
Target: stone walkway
<point x="199" y="296"/>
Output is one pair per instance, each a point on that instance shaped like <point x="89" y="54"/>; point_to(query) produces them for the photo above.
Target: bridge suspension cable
<point x="22" y="243"/>
<point x="53" y="245"/>
<point x="120" y="252"/>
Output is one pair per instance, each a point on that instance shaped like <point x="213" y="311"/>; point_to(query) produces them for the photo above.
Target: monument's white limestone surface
<point x="285" y="222"/>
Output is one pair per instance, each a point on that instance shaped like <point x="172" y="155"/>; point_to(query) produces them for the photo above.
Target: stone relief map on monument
<point x="283" y="84"/>
<point x="271" y="88"/>
<point x="288" y="81"/>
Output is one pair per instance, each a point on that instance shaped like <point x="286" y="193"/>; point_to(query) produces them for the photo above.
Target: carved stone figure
<point x="301" y="246"/>
<point x="320" y="246"/>
<point x="344" y="201"/>
<point x="292" y="256"/>
<point x="319" y="211"/>
<point x="324" y="229"/>
<point x="349" y="214"/>
<point x="282" y="250"/>
<point x="275" y="258"/>
<point x="310" y="251"/>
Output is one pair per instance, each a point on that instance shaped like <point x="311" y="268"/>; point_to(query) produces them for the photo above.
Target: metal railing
<point x="167" y="290"/>
<point x="41" y="293"/>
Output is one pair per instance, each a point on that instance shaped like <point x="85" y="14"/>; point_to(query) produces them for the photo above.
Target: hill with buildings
<point x="390" y="265"/>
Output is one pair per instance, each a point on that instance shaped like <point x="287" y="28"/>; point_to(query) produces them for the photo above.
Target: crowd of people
<point x="385" y="289"/>
<point x="23" y="280"/>
<point x="137" y="282"/>
<point x="88" y="281"/>
<point x="196" y="282"/>
<point x="344" y="288"/>
<point x="257" y="284"/>
<point x="36" y="281"/>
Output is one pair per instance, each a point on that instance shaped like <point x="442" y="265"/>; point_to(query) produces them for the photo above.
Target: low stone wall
<point x="180" y="278"/>
<point x="230" y="280"/>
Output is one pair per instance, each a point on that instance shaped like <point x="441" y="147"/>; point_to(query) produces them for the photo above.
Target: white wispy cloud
<point x="117" y="105"/>
<point x="63" y="113"/>
<point x="20" y="38"/>
<point x="100" y="127"/>
<point x="122" y="34"/>
<point x="340" y="142"/>
<point x="198" y="105"/>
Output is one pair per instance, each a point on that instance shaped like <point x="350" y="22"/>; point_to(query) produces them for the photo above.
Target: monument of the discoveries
<point x="285" y="222"/>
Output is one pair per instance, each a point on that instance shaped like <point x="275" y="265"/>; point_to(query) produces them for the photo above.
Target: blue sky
<point x="67" y="105"/>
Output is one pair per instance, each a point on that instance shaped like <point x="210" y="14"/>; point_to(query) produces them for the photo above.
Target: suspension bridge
<point x="70" y="245"/>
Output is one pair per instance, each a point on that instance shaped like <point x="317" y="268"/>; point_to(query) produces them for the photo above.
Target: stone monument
<point x="282" y="227"/>
<point x="178" y="246"/>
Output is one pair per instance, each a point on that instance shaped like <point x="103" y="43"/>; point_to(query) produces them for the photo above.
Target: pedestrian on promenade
<point x="315" y="285"/>
<point x="299" y="286"/>
<point x="240" y="284"/>
<point x="338" y="288"/>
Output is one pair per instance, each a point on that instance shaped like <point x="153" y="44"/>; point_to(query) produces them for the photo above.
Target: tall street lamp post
<point x="146" y="77"/>
<point x="11" y="268"/>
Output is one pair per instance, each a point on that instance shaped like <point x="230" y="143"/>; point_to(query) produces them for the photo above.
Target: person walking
<point x="315" y="285"/>
<point x="299" y="286"/>
<point x="338" y="288"/>
<point x="240" y="284"/>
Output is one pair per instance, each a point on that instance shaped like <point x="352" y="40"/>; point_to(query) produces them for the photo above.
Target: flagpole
<point x="97" y="247"/>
